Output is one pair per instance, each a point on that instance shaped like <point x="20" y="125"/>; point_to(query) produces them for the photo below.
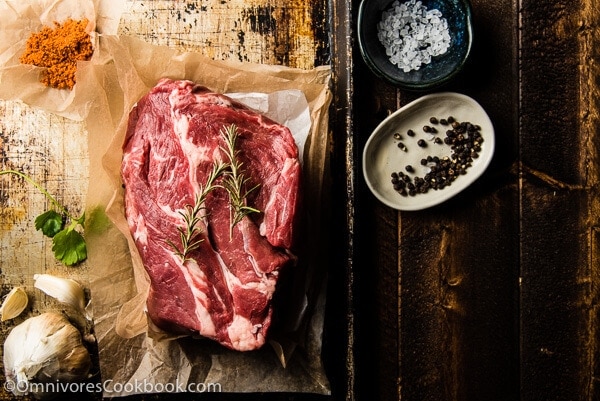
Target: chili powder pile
<point x="59" y="49"/>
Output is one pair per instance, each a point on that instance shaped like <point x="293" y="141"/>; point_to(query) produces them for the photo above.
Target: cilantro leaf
<point x="69" y="247"/>
<point x="50" y="223"/>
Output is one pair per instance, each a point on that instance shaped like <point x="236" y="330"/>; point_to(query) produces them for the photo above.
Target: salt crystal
<point x="413" y="34"/>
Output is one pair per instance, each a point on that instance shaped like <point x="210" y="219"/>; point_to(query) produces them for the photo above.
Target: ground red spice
<point x="59" y="49"/>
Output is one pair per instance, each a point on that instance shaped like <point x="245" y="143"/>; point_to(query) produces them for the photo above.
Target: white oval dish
<point x="382" y="156"/>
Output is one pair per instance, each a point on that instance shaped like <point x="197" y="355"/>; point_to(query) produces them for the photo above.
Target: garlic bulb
<point x="45" y="348"/>
<point x="65" y="290"/>
<point x="15" y="302"/>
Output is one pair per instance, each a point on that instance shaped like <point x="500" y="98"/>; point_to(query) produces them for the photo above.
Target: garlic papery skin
<point x="43" y="349"/>
<point x="14" y="303"/>
<point x="64" y="290"/>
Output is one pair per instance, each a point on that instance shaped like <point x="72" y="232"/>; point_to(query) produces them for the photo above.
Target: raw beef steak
<point x="223" y="289"/>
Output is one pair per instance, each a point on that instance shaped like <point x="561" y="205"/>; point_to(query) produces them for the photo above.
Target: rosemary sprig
<point x="234" y="181"/>
<point x="189" y="234"/>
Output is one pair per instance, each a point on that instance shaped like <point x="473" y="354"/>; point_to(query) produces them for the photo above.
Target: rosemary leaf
<point x="234" y="181"/>
<point x="189" y="235"/>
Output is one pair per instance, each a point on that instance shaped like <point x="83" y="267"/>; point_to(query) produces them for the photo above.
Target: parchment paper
<point x="18" y="20"/>
<point x="130" y="348"/>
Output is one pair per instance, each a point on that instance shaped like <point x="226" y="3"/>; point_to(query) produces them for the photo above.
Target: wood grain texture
<point x="559" y="264"/>
<point x="376" y="229"/>
<point x="279" y="32"/>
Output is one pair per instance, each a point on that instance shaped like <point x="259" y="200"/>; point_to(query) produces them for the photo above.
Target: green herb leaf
<point x="234" y="180"/>
<point x="69" y="247"/>
<point x="50" y="223"/>
<point x="190" y="234"/>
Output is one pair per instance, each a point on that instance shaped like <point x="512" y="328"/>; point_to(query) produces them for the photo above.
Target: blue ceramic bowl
<point x="441" y="68"/>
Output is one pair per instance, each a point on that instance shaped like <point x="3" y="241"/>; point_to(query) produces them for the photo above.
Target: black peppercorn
<point x="464" y="139"/>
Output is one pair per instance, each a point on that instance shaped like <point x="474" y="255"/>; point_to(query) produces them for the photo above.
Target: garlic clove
<point x="14" y="303"/>
<point x="64" y="290"/>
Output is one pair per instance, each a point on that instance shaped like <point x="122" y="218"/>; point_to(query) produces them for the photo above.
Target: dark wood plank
<point x="377" y="255"/>
<point x="559" y="222"/>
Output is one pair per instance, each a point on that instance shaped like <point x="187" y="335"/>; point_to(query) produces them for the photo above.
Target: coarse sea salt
<point x="412" y="35"/>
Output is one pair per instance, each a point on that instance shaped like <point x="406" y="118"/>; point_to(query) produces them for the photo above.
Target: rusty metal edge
<point x="344" y="170"/>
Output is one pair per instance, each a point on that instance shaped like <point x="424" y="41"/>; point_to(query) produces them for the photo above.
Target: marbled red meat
<point x="224" y="290"/>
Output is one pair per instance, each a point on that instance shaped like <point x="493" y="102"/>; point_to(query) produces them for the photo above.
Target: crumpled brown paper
<point x="19" y="19"/>
<point x="131" y="350"/>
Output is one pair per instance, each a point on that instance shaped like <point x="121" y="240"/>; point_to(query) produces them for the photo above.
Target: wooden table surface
<point x="492" y="295"/>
